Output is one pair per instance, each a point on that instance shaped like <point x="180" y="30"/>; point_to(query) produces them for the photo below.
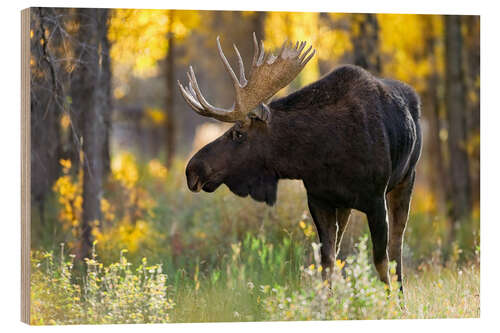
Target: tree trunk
<point x="45" y="113"/>
<point x="438" y="174"/>
<point x="89" y="102"/>
<point x="438" y="177"/>
<point x="258" y="20"/>
<point x="105" y="85"/>
<point x="365" y="42"/>
<point x="169" y="97"/>
<point x="456" y="114"/>
<point x="472" y="75"/>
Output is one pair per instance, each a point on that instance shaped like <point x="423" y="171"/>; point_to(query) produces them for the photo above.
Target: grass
<point x="242" y="291"/>
<point x="456" y="295"/>
<point x="218" y="257"/>
<point x="449" y="292"/>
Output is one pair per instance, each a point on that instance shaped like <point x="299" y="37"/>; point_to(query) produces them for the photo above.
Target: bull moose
<point x="352" y="138"/>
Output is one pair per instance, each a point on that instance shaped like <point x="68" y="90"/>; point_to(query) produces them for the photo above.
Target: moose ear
<point x="262" y="112"/>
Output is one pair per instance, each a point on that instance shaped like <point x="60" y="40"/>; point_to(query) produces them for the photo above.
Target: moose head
<point x="242" y="157"/>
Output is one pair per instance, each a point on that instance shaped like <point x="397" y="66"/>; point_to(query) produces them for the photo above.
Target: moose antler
<point x="268" y="75"/>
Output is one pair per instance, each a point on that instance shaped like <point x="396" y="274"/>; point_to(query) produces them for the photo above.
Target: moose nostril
<point x="194" y="183"/>
<point x="193" y="180"/>
<point x="196" y="172"/>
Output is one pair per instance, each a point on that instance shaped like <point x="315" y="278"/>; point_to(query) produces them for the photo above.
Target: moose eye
<point x="238" y="136"/>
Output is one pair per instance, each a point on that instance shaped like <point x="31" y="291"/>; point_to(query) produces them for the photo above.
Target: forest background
<point x="111" y="136"/>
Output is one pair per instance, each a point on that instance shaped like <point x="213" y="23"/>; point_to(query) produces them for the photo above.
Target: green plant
<point x="105" y="295"/>
<point x="352" y="291"/>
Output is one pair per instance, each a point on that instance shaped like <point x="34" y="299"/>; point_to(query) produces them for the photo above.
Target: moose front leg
<point x="325" y="219"/>
<point x="377" y="221"/>
<point x="342" y="221"/>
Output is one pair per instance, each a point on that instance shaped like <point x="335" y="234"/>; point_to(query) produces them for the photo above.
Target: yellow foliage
<point x="124" y="214"/>
<point x="119" y="92"/>
<point x="139" y="40"/>
<point x="124" y="169"/>
<point x="124" y="235"/>
<point x="69" y="196"/>
<point x="157" y="169"/>
<point x="66" y="164"/>
<point x="423" y="201"/>
<point x="403" y="39"/>
<point x="334" y="43"/>
<point x="247" y="14"/>
<point x="107" y="210"/>
<point x="65" y="121"/>
<point x="473" y="143"/>
<point x="156" y="115"/>
<point x="140" y="201"/>
<point x="280" y="26"/>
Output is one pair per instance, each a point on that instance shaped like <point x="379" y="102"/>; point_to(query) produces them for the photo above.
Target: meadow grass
<point x="248" y="288"/>
<point x="218" y="257"/>
<point x="443" y="292"/>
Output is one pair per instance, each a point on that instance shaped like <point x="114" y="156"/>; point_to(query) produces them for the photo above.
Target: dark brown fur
<point x="350" y="137"/>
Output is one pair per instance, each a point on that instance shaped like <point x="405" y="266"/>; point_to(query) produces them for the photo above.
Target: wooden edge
<point x="25" y="167"/>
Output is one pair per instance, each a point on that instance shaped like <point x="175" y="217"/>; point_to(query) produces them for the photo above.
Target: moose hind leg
<point x="399" y="205"/>
<point x="326" y="226"/>
<point x="377" y="221"/>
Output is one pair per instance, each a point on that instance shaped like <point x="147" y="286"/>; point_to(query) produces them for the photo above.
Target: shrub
<point x="106" y="294"/>
<point x="352" y="292"/>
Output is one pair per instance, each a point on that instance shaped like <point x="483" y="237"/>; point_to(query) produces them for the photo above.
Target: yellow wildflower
<point x="66" y="164"/>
